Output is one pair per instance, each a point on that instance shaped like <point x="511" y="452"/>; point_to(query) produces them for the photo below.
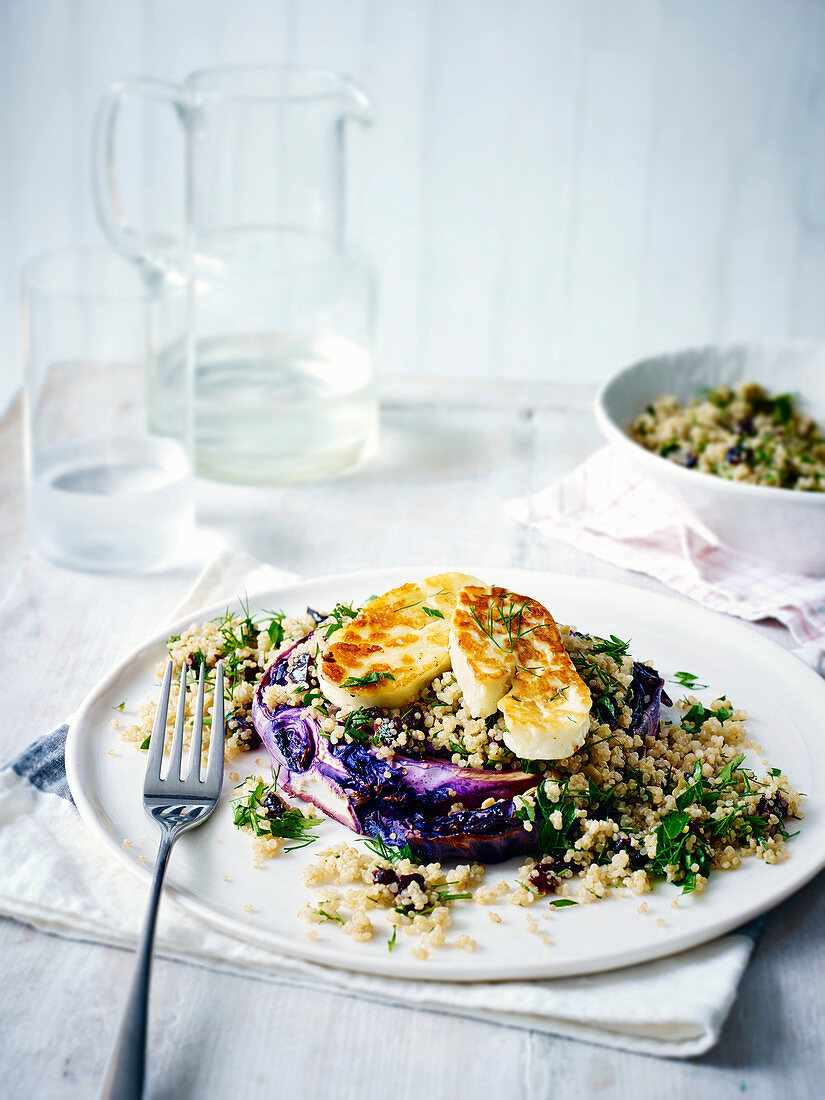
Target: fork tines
<point x="191" y="784"/>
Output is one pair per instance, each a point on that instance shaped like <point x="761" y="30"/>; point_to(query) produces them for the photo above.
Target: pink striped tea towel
<point x="607" y="508"/>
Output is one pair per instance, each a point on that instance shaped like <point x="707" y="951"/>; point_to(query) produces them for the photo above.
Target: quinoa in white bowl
<point x="747" y="505"/>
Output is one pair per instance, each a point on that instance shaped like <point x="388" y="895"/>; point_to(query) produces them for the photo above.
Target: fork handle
<point x="127" y="1062"/>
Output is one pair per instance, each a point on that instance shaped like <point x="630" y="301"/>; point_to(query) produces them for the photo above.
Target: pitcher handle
<point x="117" y="226"/>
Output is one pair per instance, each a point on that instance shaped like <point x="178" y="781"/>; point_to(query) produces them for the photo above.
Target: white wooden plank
<point x="329" y="36"/>
<point x="600" y="301"/>
<point x="553" y="189"/>
<point x="395" y="73"/>
<point x="808" y="301"/>
<point x="462" y="188"/>
<point x="252" y="32"/>
<point x="39" y="157"/>
<point x="8" y="328"/>
<point x="545" y="45"/>
<point x="108" y="45"/>
<point x="728" y="146"/>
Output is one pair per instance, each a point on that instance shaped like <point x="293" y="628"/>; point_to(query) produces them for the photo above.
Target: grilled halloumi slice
<point x="499" y="641"/>
<point x="394" y="646"/>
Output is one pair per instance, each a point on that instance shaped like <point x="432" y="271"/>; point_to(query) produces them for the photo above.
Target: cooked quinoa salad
<point x="740" y="434"/>
<point x="646" y="799"/>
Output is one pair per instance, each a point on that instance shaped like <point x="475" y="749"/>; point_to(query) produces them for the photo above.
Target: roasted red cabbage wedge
<point x="407" y="800"/>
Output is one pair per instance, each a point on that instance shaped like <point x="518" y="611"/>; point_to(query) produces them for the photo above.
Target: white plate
<point x="211" y="872"/>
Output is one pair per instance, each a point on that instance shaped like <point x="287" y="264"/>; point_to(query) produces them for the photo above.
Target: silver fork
<point x="176" y="805"/>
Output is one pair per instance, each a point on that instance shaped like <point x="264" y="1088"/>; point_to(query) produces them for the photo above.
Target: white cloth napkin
<point x="56" y="876"/>
<point x="607" y="508"/>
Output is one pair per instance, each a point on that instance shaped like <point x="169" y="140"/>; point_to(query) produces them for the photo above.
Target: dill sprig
<point x="443" y="897"/>
<point x="331" y="917"/>
<point x="614" y="647"/>
<point x="389" y="852"/>
<point x="250" y="810"/>
<point x="504" y="617"/>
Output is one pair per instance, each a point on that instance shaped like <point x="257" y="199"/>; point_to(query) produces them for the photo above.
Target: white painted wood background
<point x="556" y="186"/>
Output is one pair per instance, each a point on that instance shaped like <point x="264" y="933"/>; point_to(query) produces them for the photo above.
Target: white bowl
<point x="779" y="527"/>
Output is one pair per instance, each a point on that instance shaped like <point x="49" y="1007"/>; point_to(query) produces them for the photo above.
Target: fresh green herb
<point x="314" y="699"/>
<point x="249" y="811"/>
<point x="392" y="939"/>
<point x="504" y="616"/>
<point x="606" y="710"/>
<point x="783" y="408"/>
<point x="695" y="718"/>
<point x="668" y="449"/>
<point x="370" y="678"/>
<point x="688" y="680"/>
<point x="562" y="903"/>
<point x="433" y="612"/>
<point x="325" y="916"/>
<point x="145" y="742"/>
<point x="443" y="897"/>
<point x="415" y="603"/>
<point x="120" y="706"/>
<point x="774" y="771"/>
<point x="340" y="615"/>
<point x="389" y="852"/>
<point x="530" y="767"/>
<point x="526" y="886"/>
<point x="614" y="647"/>
<point x="358" y="725"/>
<point x="275" y="628"/>
<point x="591" y="672"/>
<point x="551" y="840"/>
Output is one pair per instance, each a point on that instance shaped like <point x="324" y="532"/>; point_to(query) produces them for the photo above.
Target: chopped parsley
<point x="687" y="680"/>
<point x="341" y="614"/>
<point x="358" y="725"/>
<point x="364" y="681"/>
<point x="695" y="718"/>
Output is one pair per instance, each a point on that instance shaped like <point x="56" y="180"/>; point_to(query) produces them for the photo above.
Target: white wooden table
<point x="451" y="452"/>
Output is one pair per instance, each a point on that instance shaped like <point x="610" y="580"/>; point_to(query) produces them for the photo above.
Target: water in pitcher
<point x="282" y="407"/>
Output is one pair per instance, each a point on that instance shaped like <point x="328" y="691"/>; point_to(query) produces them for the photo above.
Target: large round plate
<point x="211" y="871"/>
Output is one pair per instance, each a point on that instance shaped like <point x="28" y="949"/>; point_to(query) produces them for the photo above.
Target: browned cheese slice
<point x="394" y="647"/>
<point x="507" y="654"/>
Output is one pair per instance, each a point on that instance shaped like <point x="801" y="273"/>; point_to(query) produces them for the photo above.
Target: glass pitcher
<point x="281" y="330"/>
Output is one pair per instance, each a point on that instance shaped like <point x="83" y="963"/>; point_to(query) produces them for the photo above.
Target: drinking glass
<point x="282" y="310"/>
<point x="105" y="491"/>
